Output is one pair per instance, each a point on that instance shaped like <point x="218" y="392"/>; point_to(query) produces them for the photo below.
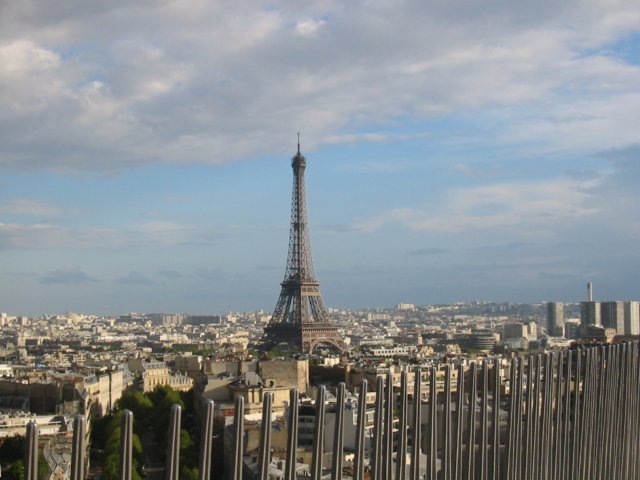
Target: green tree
<point x="188" y="473"/>
<point x="15" y="472"/>
<point x="162" y="413"/>
<point x="158" y="394"/>
<point x="139" y="404"/>
<point x="43" y="468"/>
<point x="12" y="449"/>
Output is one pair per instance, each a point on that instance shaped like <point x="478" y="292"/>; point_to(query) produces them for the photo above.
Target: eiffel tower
<point x="300" y="318"/>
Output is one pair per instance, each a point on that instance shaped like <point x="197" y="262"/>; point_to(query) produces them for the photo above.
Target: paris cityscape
<point x="320" y="241"/>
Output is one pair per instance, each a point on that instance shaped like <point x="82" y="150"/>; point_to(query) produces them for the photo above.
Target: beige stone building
<point x="154" y="374"/>
<point x="102" y="391"/>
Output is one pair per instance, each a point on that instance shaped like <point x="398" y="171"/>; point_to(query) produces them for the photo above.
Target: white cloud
<point x="65" y="276"/>
<point x="26" y="206"/>
<point x="309" y="27"/>
<point x="520" y="208"/>
<point x="59" y="236"/>
<point x="95" y="87"/>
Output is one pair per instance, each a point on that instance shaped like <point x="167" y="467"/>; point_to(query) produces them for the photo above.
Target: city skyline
<point x="455" y="153"/>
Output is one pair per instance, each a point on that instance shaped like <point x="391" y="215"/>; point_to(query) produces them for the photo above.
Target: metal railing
<point x="571" y="414"/>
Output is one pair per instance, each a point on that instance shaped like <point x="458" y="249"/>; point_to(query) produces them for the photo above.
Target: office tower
<point x="555" y="318"/>
<point x="589" y="292"/>
<point x="612" y="316"/>
<point x="300" y="318"/>
<point x="590" y="313"/>
<point x="632" y="318"/>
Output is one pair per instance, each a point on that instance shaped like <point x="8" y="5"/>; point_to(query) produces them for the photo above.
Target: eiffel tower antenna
<point x="300" y="318"/>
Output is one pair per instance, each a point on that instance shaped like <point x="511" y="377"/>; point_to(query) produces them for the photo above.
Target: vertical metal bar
<point x="635" y="465"/>
<point x="584" y="404"/>
<point x="575" y="424"/>
<point x="78" y="448"/>
<point x="292" y="436"/>
<point x="447" y="468"/>
<point x="529" y="412"/>
<point x="31" y="452"/>
<point x="618" y="434"/>
<point x="495" y="470"/>
<point x="592" y="418"/>
<point x="433" y="424"/>
<point x="556" y="464"/>
<point x="238" y="439"/>
<point x="623" y="407"/>
<point x="629" y="421"/>
<point x="126" y="435"/>
<point x="417" y="420"/>
<point x="585" y="428"/>
<point x="607" y="415"/>
<point x="206" y="442"/>
<point x="264" y="457"/>
<point x="632" y="401"/>
<point x="318" y="435"/>
<point x="388" y="430"/>
<point x="566" y="418"/>
<point x="595" y="404"/>
<point x="511" y="442"/>
<point x="172" y="469"/>
<point x="484" y="424"/>
<point x="338" y="436"/>
<point x="401" y="456"/>
<point x="593" y="422"/>
<point x="535" y="456"/>
<point x="459" y="440"/>
<point x="635" y="454"/>
<point x="518" y="463"/>
<point x="542" y="444"/>
<point x="378" y="421"/>
<point x="358" y="469"/>
<point x="471" y="444"/>
<point x="548" y="446"/>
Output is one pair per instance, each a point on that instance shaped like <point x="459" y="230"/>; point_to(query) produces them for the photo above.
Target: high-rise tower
<point x="300" y="318"/>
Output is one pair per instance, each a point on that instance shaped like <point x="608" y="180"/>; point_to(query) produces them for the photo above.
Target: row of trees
<point x="151" y="423"/>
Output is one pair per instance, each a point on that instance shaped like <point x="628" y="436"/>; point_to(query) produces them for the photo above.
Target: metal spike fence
<point x="572" y="414"/>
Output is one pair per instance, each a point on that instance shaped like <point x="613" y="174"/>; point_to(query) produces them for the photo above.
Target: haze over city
<point x="455" y="152"/>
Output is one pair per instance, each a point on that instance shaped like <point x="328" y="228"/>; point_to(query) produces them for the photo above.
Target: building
<point x="612" y="316"/>
<point x="405" y="306"/>
<point x="103" y="390"/>
<point x="155" y="374"/>
<point x="188" y="364"/>
<point x="572" y="329"/>
<point x="593" y="333"/>
<point x="632" y="318"/>
<point x="590" y="313"/>
<point x="555" y="319"/>
<point x="515" y="331"/>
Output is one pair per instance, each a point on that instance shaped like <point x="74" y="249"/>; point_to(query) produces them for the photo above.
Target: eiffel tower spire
<point x="300" y="318"/>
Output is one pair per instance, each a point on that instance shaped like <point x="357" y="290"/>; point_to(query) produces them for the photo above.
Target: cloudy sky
<point x="456" y="151"/>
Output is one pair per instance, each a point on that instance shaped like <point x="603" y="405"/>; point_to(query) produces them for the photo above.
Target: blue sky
<point x="456" y="151"/>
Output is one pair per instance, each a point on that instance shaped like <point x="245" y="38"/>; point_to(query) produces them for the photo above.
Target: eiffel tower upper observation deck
<point x="300" y="318"/>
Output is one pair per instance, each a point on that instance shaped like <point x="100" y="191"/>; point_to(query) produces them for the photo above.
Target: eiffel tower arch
<point x="300" y="318"/>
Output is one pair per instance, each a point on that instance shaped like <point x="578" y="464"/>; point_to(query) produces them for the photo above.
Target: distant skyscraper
<point x="555" y="318"/>
<point x="632" y="318"/>
<point x="590" y="313"/>
<point x="612" y="316"/>
<point x="589" y="292"/>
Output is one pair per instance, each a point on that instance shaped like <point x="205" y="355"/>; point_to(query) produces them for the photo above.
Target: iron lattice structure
<point x="300" y="318"/>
